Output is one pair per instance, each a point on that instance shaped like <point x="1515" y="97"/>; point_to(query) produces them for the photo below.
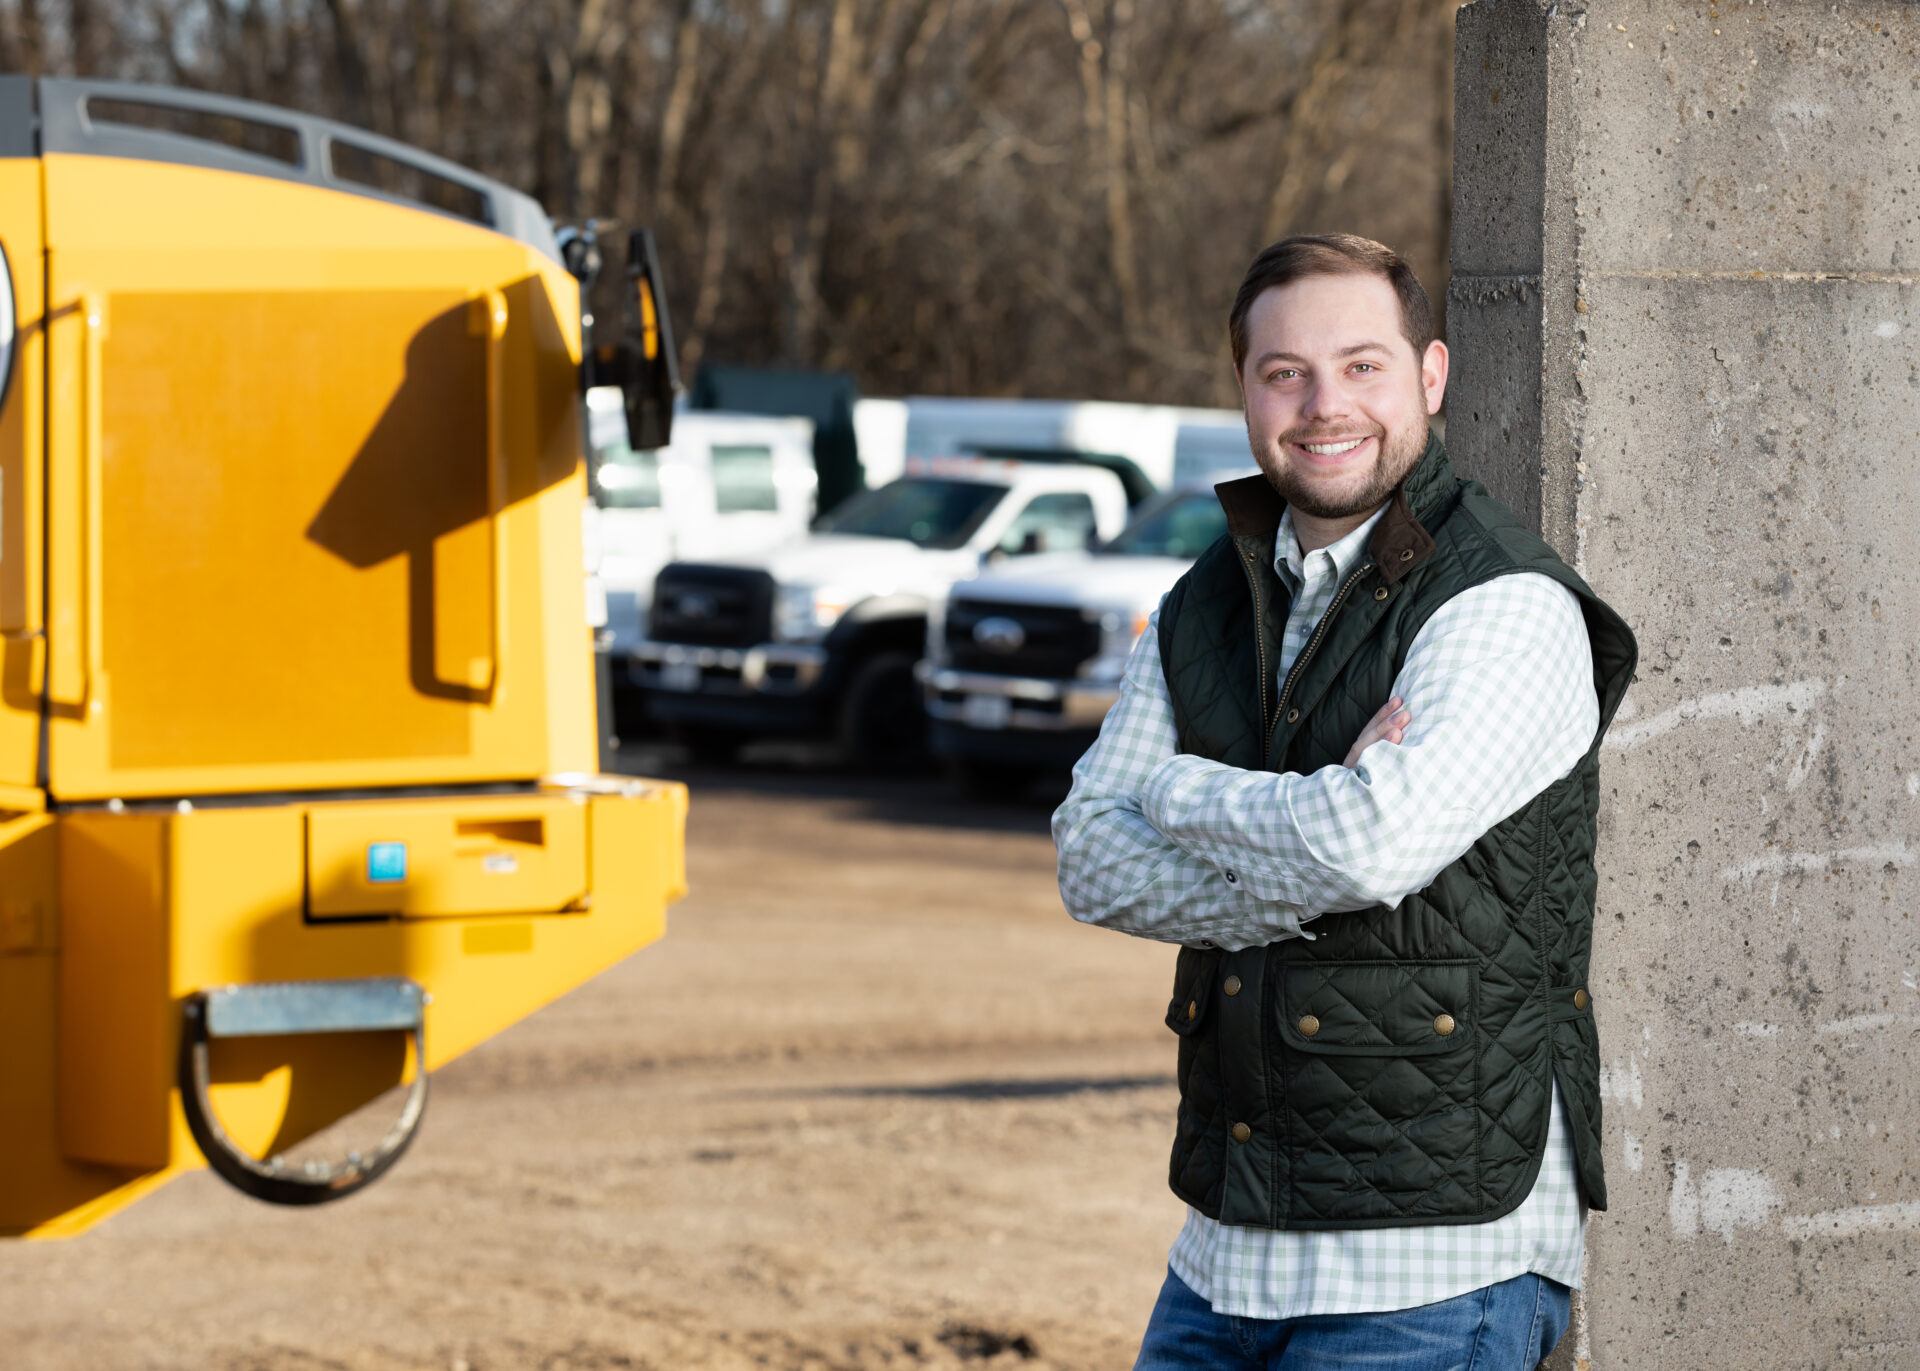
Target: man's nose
<point x="1326" y="400"/>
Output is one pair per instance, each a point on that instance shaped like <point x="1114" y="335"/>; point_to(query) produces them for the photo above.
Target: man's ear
<point x="1433" y="375"/>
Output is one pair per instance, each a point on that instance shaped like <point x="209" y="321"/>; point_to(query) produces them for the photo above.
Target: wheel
<point x="993" y="781"/>
<point x="883" y="725"/>
<point x="708" y="746"/>
<point x="630" y="718"/>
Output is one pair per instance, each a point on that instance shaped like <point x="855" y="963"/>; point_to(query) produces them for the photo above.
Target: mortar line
<point x="1884" y="278"/>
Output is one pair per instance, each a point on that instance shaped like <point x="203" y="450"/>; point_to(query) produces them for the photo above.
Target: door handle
<point x="491" y="323"/>
<point x="93" y="324"/>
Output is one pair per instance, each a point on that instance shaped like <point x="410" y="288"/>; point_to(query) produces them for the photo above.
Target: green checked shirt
<point x="1185" y="850"/>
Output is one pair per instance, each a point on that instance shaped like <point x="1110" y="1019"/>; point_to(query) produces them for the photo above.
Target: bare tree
<point x="962" y="196"/>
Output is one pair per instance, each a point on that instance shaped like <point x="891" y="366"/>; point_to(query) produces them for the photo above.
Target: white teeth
<point x="1330" y="449"/>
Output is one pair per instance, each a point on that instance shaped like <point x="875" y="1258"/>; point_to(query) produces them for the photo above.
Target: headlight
<point x="804" y="614"/>
<point x="936" y="628"/>
<point x="1119" y="628"/>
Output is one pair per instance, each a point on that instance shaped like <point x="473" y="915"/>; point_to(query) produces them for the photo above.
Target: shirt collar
<point x="1400" y="542"/>
<point x="1346" y="553"/>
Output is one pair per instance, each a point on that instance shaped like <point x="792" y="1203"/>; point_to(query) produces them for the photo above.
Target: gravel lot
<point x="874" y="1102"/>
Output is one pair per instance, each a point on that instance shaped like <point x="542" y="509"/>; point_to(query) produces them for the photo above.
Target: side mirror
<point x="647" y="331"/>
<point x="1033" y="542"/>
<point x="641" y="360"/>
<point x="6" y="326"/>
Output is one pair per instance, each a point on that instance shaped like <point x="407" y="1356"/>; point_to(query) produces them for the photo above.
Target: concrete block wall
<point x="1686" y="337"/>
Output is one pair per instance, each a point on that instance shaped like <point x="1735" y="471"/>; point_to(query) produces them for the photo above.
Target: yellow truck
<point x="299" y="788"/>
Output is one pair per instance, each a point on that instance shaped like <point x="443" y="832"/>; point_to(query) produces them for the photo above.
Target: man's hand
<point x="1389" y="725"/>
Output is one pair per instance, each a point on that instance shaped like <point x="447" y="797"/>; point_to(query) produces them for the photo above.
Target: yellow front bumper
<point x="494" y="904"/>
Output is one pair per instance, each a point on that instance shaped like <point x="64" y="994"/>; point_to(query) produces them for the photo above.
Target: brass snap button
<point x="1241" y="1132"/>
<point x="1193" y="1010"/>
<point x="1443" y="1025"/>
<point x="1293" y="716"/>
<point x="1232" y="987"/>
<point x="1406" y="555"/>
<point x="1308" y="1025"/>
<point x="1380" y="594"/>
<point x="1581" y="999"/>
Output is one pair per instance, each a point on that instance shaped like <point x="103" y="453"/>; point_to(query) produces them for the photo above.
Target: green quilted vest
<point x="1394" y="1070"/>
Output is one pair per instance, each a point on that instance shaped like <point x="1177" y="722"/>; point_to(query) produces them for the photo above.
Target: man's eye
<point x="1282" y="374"/>
<point x="1368" y="365"/>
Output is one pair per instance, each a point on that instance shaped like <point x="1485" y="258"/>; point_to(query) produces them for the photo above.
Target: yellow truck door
<point x="314" y="461"/>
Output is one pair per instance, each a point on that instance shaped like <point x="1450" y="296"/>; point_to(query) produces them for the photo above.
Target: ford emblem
<point x="696" y="604"/>
<point x="1000" y="634"/>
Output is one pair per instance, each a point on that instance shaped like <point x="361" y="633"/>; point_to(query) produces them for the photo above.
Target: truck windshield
<point x="1181" y="527"/>
<point x="928" y="511"/>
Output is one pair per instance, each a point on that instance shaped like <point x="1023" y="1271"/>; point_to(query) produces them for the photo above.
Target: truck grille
<point x="1045" y="641"/>
<point x="711" y="606"/>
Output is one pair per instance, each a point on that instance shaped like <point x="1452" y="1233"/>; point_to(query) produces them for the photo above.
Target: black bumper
<point x="1041" y="749"/>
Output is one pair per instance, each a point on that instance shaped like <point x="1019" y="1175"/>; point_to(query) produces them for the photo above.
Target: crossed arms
<point x="1173" y="847"/>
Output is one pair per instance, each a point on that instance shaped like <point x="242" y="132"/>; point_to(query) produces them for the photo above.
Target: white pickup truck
<point x="727" y="482"/>
<point x="819" y="637"/>
<point x="1024" y="661"/>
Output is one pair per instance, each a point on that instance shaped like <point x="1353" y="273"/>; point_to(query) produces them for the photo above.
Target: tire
<point x="993" y="782"/>
<point x="630" y="718"/>
<point x="708" y="746"/>
<point x="882" y="723"/>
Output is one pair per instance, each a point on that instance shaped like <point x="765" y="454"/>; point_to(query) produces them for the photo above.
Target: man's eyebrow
<point x="1266" y="357"/>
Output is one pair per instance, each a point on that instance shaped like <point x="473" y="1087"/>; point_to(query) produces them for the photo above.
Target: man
<point x="1353" y="771"/>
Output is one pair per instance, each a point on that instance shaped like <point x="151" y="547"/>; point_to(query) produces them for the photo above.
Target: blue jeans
<point x="1506" y="1327"/>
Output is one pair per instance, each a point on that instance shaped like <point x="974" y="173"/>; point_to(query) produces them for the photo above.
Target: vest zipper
<point x="1300" y="662"/>
<point x="1259" y="638"/>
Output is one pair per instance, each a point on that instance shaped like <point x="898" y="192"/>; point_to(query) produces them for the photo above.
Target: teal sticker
<point x="386" y="863"/>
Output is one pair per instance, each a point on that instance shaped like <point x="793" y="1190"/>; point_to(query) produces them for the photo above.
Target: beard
<point x="1394" y="457"/>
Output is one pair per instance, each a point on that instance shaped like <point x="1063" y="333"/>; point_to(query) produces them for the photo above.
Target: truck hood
<point x="873" y="566"/>
<point x="1077" y="578"/>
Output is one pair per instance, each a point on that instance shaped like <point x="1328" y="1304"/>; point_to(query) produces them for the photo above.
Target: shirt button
<point x="1232" y="987"/>
<point x="1241" y="1132"/>
<point x="1232" y="879"/>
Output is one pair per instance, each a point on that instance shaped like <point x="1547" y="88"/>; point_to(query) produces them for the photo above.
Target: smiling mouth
<point x="1333" y="452"/>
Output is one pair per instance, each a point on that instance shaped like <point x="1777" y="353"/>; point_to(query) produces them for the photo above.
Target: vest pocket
<point x="1379" y="1008"/>
<point x="1193" y="974"/>
<point x="1197" y="1169"/>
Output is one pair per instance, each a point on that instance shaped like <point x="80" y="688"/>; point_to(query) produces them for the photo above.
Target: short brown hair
<point x="1331" y="254"/>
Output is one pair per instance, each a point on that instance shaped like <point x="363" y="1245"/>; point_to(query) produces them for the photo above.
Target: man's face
<point x="1327" y="365"/>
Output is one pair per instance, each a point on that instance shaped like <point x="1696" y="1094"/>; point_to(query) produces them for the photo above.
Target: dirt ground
<point x="875" y="1101"/>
